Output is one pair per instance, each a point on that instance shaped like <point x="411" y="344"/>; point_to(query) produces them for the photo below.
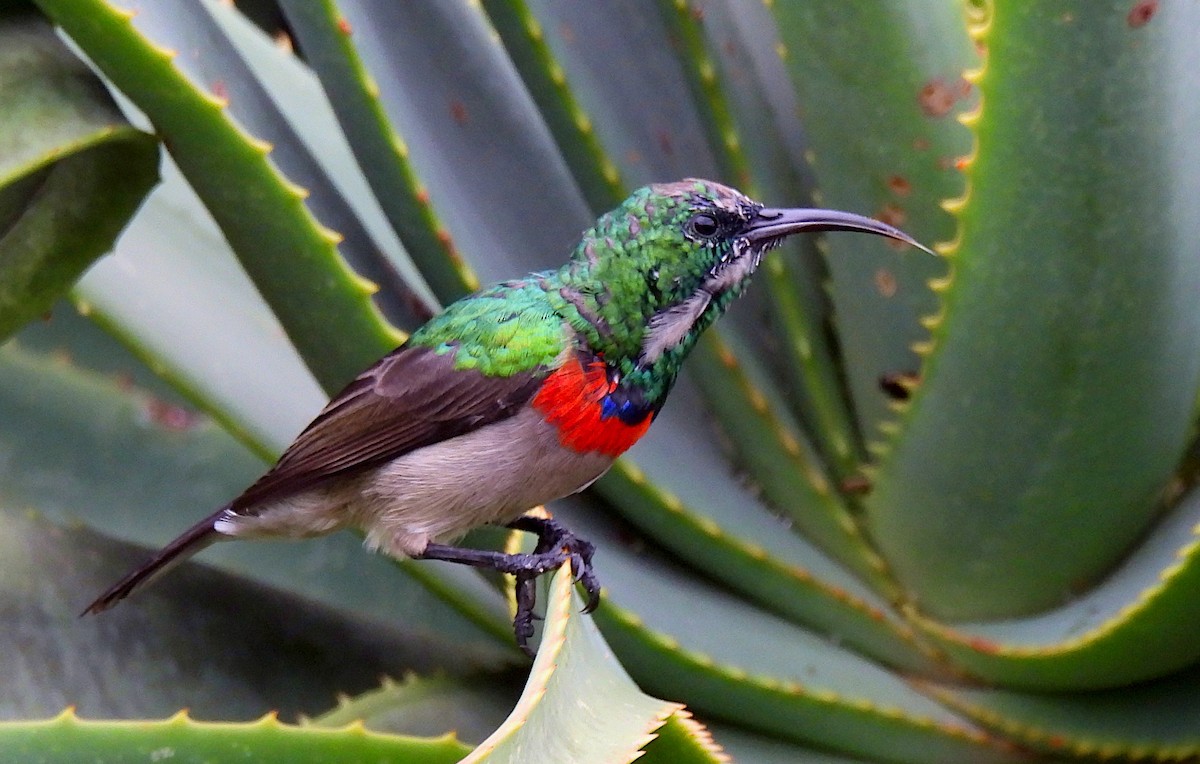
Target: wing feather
<point x="412" y="397"/>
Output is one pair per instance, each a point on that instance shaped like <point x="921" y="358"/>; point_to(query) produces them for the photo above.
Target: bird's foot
<point x="556" y="545"/>
<point x="554" y="538"/>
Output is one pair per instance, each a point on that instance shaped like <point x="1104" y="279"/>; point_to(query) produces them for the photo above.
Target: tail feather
<point x="194" y="539"/>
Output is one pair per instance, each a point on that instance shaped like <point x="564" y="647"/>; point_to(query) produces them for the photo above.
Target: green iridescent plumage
<point x="503" y="330"/>
<point x="637" y="261"/>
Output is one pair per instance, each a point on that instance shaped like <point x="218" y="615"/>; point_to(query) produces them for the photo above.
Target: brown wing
<point x="413" y="397"/>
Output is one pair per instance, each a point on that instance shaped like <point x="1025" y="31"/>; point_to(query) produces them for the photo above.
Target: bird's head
<point x="662" y="266"/>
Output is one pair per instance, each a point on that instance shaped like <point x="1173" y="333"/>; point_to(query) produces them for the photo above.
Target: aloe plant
<point x="902" y="508"/>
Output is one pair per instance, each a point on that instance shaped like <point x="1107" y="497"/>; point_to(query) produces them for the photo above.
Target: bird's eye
<point x="703" y="226"/>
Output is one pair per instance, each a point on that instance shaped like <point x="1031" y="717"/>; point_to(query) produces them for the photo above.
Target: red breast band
<point x="571" y="400"/>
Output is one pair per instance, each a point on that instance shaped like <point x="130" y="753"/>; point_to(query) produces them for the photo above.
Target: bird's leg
<point x="555" y="546"/>
<point x="553" y="535"/>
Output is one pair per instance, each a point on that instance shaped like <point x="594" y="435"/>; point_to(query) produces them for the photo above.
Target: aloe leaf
<point x="772" y="447"/>
<point x="235" y="362"/>
<point x="578" y="705"/>
<point x="525" y="40"/>
<point x="892" y="70"/>
<point x="694" y="509"/>
<point x="226" y="647"/>
<point x="78" y="445"/>
<point x="630" y="85"/>
<point x="328" y="42"/>
<point x="685" y="30"/>
<point x="1135" y="625"/>
<point x="575" y="681"/>
<point x="472" y="131"/>
<point x="1151" y="720"/>
<point x="472" y="706"/>
<point x="67" y="738"/>
<point x="292" y="259"/>
<point x="761" y="749"/>
<point x="72" y="171"/>
<point x="1061" y="383"/>
<point x="281" y="100"/>
<point x="673" y="635"/>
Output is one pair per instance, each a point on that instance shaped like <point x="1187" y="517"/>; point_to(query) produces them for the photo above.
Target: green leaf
<point x="68" y="739"/>
<point x="620" y="67"/>
<point x="291" y="258"/>
<point x="1151" y="720"/>
<point x="277" y="97"/>
<point x="224" y="647"/>
<point x="1061" y="384"/>
<point x="744" y="134"/>
<point x="72" y="171"/>
<point x="877" y="85"/>
<point x="525" y="40"/>
<point x="1137" y="624"/>
<point x="768" y="442"/>
<point x="472" y="706"/>
<point x="745" y="746"/>
<point x="328" y="42"/>
<point x="473" y="133"/>
<point x="157" y="293"/>
<point x="682" y="739"/>
<point x="730" y="660"/>
<point x="578" y="705"/>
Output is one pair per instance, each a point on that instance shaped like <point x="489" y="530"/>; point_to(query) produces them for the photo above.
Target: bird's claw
<point x="556" y="545"/>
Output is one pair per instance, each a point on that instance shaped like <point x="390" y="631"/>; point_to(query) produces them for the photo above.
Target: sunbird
<point x="515" y="396"/>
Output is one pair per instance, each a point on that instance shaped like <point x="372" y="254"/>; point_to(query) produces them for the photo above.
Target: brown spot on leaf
<point x="169" y="416"/>
<point x="885" y="282"/>
<point x="855" y="485"/>
<point x="344" y="26"/>
<point x="1141" y="13"/>
<point x="899" y="185"/>
<point x="665" y="142"/>
<point x="458" y="110"/>
<point x="892" y="214"/>
<point x="921" y="144"/>
<point x="447" y="242"/>
<point x="936" y="98"/>
<point x="982" y="645"/>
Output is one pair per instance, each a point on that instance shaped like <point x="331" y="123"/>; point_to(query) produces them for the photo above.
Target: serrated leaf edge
<point x="1044" y="738"/>
<point x="674" y="507"/>
<point x="703" y="662"/>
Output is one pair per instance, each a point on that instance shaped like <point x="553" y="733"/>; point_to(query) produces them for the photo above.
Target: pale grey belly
<point x="439" y="492"/>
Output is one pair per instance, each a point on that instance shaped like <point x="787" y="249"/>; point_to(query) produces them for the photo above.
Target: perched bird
<point x="515" y="396"/>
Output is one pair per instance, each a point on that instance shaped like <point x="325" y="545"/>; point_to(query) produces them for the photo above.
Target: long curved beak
<point x="770" y="225"/>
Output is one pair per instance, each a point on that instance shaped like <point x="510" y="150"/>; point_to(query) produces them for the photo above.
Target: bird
<point x="520" y="394"/>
